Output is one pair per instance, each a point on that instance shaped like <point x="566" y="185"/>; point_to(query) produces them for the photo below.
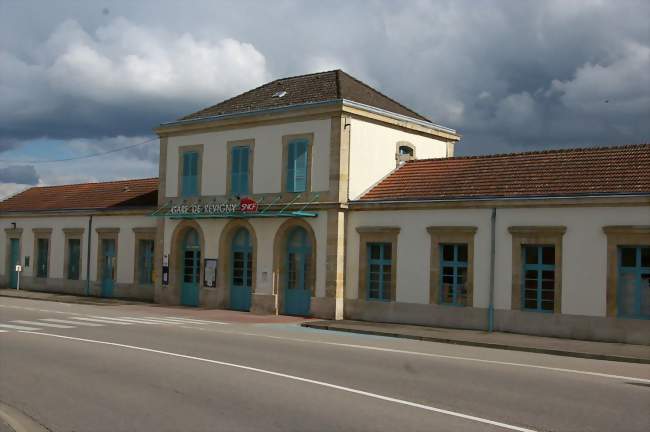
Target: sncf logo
<point x="248" y="205"/>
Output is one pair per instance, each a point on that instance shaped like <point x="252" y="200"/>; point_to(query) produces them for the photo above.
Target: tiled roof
<point x="571" y="172"/>
<point x="316" y="87"/>
<point x="101" y="196"/>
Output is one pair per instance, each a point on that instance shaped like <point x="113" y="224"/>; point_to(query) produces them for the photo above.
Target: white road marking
<point x="78" y="323"/>
<point x="101" y="321"/>
<point x="4" y="331"/>
<point x="121" y="320"/>
<point x="13" y="327"/>
<point x="42" y="324"/>
<point x="301" y="379"/>
<point x="40" y="310"/>
<point x="451" y="357"/>
<point x="192" y="321"/>
<point x="149" y="320"/>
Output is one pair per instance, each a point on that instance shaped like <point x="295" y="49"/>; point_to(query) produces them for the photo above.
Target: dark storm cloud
<point x="20" y="174"/>
<point x="509" y="75"/>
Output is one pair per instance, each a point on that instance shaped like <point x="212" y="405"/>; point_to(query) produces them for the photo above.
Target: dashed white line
<point x="121" y="320"/>
<point x="149" y="321"/>
<point x="85" y="324"/>
<point x="41" y="324"/>
<point x="304" y="380"/>
<point x="190" y="320"/>
<point x="14" y="327"/>
<point x="101" y="321"/>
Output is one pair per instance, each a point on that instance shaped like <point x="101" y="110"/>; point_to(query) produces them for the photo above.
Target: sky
<point x="83" y="77"/>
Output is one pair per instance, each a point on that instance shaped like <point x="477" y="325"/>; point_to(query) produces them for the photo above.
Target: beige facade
<point x="124" y="227"/>
<point x="346" y="154"/>
<point x="584" y="261"/>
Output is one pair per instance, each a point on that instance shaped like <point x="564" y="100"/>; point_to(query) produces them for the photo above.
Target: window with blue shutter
<point x="297" y="165"/>
<point x="239" y="170"/>
<point x="380" y="268"/>
<point x="145" y="261"/>
<point x="453" y="277"/>
<point x="538" y="278"/>
<point x="74" y="258"/>
<point x="190" y="174"/>
<point x="633" y="288"/>
<point x="43" y="246"/>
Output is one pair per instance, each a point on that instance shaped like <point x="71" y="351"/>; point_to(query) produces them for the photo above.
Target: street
<point x="71" y="367"/>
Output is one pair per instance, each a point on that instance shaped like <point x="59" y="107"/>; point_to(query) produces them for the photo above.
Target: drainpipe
<point x="492" y="253"/>
<point x="90" y="227"/>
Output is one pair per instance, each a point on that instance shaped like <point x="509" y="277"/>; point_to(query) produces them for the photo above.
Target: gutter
<point x="286" y="108"/>
<point x="90" y="235"/>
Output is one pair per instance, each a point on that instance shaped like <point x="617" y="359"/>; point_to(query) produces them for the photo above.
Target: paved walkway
<point x="510" y="341"/>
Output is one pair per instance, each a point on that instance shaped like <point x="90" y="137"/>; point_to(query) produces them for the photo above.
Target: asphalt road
<point x="174" y="369"/>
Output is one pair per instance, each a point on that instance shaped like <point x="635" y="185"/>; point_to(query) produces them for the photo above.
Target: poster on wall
<point x="210" y="273"/>
<point x="165" y="270"/>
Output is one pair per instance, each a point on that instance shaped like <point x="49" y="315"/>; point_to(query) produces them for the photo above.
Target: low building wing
<point x="98" y="196"/>
<point x="552" y="173"/>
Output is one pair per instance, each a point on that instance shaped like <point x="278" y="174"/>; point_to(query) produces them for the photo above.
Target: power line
<point x="37" y="161"/>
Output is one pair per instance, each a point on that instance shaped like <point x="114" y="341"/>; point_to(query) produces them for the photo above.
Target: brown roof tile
<point x="101" y="196"/>
<point x="311" y="88"/>
<point x="571" y="172"/>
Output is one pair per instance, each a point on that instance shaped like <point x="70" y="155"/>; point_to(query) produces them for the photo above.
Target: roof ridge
<point x="375" y="90"/>
<point x="91" y="183"/>
<point x="533" y="152"/>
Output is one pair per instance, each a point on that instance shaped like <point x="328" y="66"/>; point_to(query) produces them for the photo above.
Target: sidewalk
<point x="67" y="298"/>
<point x="509" y="341"/>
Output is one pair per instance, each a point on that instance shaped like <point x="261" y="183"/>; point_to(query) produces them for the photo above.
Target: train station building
<point x="317" y="195"/>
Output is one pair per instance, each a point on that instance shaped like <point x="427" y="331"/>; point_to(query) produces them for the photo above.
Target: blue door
<point x="14" y="256"/>
<point x="241" y="271"/>
<point x="297" y="281"/>
<point x="108" y="267"/>
<point x="191" y="269"/>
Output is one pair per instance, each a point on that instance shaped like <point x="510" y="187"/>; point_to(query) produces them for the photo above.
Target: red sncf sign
<point x="247" y="205"/>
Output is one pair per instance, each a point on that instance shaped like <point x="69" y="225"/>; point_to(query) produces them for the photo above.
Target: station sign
<point x="245" y="205"/>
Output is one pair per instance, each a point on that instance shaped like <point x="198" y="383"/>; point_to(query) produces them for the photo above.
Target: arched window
<point x="192" y="240"/>
<point x="405" y="151"/>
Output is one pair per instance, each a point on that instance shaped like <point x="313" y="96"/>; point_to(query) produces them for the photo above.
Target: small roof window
<point x="279" y="94"/>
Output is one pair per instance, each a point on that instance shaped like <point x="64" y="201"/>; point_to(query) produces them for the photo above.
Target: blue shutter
<point x="243" y="169"/>
<point x="297" y="166"/>
<point x="234" y="170"/>
<point x="239" y="170"/>
<point x="189" y="177"/>
<point x="291" y="156"/>
<point x="300" y="178"/>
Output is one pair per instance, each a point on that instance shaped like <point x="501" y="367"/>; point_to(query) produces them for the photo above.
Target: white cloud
<point x="616" y="84"/>
<point x="122" y="64"/>
<point x="10" y="189"/>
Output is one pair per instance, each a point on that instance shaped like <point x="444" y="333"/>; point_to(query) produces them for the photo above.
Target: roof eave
<point x="239" y="114"/>
<point x="436" y="129"/>
<point x="528" y="198"/>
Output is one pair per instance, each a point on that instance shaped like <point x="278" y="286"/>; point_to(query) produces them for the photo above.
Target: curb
<point x="578" y="354"/>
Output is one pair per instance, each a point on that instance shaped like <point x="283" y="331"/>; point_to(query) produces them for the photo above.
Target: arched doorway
<point x="297" y="276"/>
<point x="191" y="268"/>
<point x="241" y="270"/>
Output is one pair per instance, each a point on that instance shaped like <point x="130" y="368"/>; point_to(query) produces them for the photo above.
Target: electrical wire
<point x="39" y="161"/>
